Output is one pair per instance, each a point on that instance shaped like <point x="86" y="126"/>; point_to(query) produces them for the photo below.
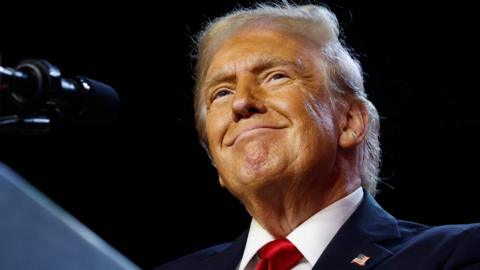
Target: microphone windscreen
<point x="101" y="103"/>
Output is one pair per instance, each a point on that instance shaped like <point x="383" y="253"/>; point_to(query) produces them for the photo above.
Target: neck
<point x="281" y="211"/>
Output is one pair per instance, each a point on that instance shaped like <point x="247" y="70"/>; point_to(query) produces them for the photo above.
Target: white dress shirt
<point x="310" y="238"/>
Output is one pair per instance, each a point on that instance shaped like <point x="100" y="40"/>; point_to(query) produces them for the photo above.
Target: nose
<point x="247" y="100"/>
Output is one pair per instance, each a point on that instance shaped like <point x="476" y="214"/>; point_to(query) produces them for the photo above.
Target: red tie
<point x="279" y="254"/>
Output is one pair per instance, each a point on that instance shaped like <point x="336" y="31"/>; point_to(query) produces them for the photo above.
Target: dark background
<point x="145" y="185"/>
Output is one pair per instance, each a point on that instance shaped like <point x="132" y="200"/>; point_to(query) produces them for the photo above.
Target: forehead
<point x="251" y="47"/>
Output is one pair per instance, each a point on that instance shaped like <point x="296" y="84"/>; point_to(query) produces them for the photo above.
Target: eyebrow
<point x="259" y="64"/>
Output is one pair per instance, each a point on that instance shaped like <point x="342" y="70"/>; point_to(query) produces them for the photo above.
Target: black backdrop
<point x="145" y="185"/>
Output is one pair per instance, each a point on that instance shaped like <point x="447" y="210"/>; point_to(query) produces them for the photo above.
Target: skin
<point x="278" y="144"/>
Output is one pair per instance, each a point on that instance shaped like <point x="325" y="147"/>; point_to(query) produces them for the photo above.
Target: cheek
<point x="312" y="119"/>
<point x="216" y="125"/>
<point x="306" y="108"/>
<point x="319" y="110"/>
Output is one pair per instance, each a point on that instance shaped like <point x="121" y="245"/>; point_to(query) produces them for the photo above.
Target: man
<point x="281" y="109"/>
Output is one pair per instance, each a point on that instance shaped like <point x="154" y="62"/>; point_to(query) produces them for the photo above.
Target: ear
<point x="354" y="126"/>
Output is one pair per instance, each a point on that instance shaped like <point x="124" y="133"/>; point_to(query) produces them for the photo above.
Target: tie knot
<point x="279" y="254"/>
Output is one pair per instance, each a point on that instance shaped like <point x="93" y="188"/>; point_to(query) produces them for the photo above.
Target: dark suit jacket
<point x="392" y="244"/>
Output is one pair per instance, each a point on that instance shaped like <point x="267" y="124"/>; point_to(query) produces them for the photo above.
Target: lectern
<point x="36" y="234"/>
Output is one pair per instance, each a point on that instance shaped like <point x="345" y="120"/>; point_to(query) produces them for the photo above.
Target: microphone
<point x="38" y="90"/>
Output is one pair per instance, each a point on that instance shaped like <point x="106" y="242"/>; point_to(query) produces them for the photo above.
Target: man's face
<point x="269" y="119"/>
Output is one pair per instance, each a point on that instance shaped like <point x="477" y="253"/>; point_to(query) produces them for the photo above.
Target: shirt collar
<point x="312" y="236"/>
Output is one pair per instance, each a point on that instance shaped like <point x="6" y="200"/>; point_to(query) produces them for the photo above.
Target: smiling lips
<point x="245" y="131"/>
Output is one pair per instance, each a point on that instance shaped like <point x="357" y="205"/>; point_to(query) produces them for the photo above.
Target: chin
<point x="256" y="162"/>
<point x="259" y="173"/>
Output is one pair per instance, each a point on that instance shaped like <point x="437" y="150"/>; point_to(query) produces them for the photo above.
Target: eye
<point x="278" y="76"/>
<point x="221" y="93"/>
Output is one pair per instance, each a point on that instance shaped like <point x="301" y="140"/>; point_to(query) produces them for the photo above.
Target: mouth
<point x="251" y="131"/>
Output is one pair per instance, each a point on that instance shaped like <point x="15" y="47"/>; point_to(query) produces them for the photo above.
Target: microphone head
<point x="99" y="103"/>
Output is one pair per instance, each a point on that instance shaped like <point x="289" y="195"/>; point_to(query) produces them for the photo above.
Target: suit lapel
<point x="368" y="225"/>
